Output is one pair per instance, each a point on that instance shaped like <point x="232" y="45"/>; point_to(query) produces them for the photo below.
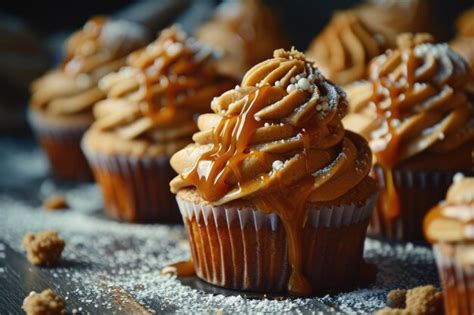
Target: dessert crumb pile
<point x="43" y="248"/>
<point x="44" y="303"/>
<point x="422" y="300"/>
<point x="55" y="202"/>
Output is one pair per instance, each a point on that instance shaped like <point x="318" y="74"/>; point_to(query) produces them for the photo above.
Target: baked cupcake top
<point x="453" y="219"/>
<point x="152" y="101"/>
<point x="415" y="101"/>
<point x="246" y="31"/>
<point x="345" y="47"/>
<point x="279" y="130"/>
<point x="97" y="49"/>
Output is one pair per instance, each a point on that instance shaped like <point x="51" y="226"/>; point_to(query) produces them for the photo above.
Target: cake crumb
<point x="422" y="300"/>
<point x="44" y="303"/>
<point x="43" y="248"/>
<point x="55" y="202"/>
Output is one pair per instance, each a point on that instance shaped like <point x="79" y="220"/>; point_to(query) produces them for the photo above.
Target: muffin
<point x="147" y="115"/>
<point x="463" y="43"/>
<point x="345" y="47"/>
<point x="418" y="119"/>
<point x="273" y="170"/>
<point x="61" y="102"/>
<point x="245" y="31"/>
<point x="449" y="226"/>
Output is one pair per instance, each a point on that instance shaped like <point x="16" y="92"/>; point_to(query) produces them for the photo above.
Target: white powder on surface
<point x="107" y="264"/>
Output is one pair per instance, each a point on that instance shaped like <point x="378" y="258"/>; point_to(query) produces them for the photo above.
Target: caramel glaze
<point x="414" y="85"/>
<point x="220" y="174"/>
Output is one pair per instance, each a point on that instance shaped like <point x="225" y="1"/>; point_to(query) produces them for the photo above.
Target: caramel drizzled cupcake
<point x="450" y="227"/>
<point x="147" y="116"/>
<point x="420" y="125"/>
<point x="463" y="43"/>
<point x="274" y="192"/>
<point x="62" y="100"/>
<point x="246" y="31"/>
<point x="345" y="47"/>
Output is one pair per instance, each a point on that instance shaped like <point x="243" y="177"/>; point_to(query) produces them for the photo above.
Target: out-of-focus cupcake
<point x="463" y="43"/>
<point x="345" y="47"/>
<point x="62" y="100"/>
<point x="450" y="227"/>
<point x="147" y="116"/>
<point x="274" y="193"/>
<point x="418" y="119"/>
<point x="352" y="38"/>
<point x="246" y="31"/>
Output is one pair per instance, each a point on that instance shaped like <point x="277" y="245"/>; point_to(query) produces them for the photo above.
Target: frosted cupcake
<point x="274" y="192"/>
<point x="246" y="31"/>
<point x="418" y="119"/>
<point x="62" y="100"/>
<point x="450" y="227"/>
<point x="147" y="116"/>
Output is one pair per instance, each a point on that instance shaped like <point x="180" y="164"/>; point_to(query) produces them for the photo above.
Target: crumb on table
<point x="43" y="248"/>
<point x="55" y="202"/>
<point x="422" y="300"/>
<point x="44" y="303"/>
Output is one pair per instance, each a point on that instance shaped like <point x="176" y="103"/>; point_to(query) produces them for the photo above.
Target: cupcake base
<point x="418" y="192"/>
<point x="61" y="141"/>
<point x="457" y="277"/>
<point x="241" y="248"/>
<point x="135" y="189"/>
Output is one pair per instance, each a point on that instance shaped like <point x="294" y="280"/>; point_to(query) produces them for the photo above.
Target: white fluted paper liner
<point x="339" y="216"/>
<point x="135" y="188"/>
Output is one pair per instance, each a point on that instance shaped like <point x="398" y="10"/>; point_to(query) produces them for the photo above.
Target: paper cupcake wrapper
<point x="457" y="280"/>
<point x="62" y="146"/>
<point x="245" y="249"/>
<point x="135" y="189"/>
<point x="418" y="192"/>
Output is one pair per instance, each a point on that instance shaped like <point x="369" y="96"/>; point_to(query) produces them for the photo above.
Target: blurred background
<point x="32" y="34"/>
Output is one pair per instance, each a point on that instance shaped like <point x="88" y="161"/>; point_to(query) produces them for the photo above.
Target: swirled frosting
<point x="278" y="141"/>
<point x="345" y="47"/>
<point x="415" y="101"/>
<point x="246" y="31"/>
<point x="389" y="18"/>
<point x="155" y="97"/>
<point x="97" y="49"/>
<point x="453" y="219"/>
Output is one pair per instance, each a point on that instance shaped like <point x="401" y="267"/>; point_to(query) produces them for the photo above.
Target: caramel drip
<point x="211" y="173"/>
<point x="180" y="269"/>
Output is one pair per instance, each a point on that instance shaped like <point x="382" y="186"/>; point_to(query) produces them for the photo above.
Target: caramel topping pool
<point x="278" y="141"/>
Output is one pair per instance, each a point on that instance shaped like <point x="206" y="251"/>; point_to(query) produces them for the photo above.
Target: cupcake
<point x="345" y="47"/>
<point x="274" y="193"/>
<point x="147" y="115"/>
<point x="61" y="102"/>
<point x="246" y="31"/>
<point x="418" y="119"/>
<point x="450" y="227"/>
<point x="463" y="43"/>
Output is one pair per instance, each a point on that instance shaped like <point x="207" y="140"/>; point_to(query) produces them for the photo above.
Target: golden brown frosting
<point x="278" y="141"/>
<point x="155" y="97"/>
<point x="345" y="47"/>
<point x="415" y="101"/>
<point x="92" y="52"/>
<point x="389" y="18"/>
<point x="246" y="31"/>
<point x="453" y="219"/>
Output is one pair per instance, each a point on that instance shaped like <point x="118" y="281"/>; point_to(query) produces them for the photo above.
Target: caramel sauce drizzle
<point x="212" y="171"/>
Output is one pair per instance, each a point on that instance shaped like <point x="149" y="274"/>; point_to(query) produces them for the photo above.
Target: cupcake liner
<point x="457" y="279"/>
<point x="245" y="249"/>
<point x="62" y="146"/>
<point x="135" y="189"/>
<point x="418" y="192"/>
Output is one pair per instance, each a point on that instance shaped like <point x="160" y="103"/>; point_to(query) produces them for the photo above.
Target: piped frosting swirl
<point x="97" y="49"/>
<point x="280" y="128"/>
<point x="155" y="97"/>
